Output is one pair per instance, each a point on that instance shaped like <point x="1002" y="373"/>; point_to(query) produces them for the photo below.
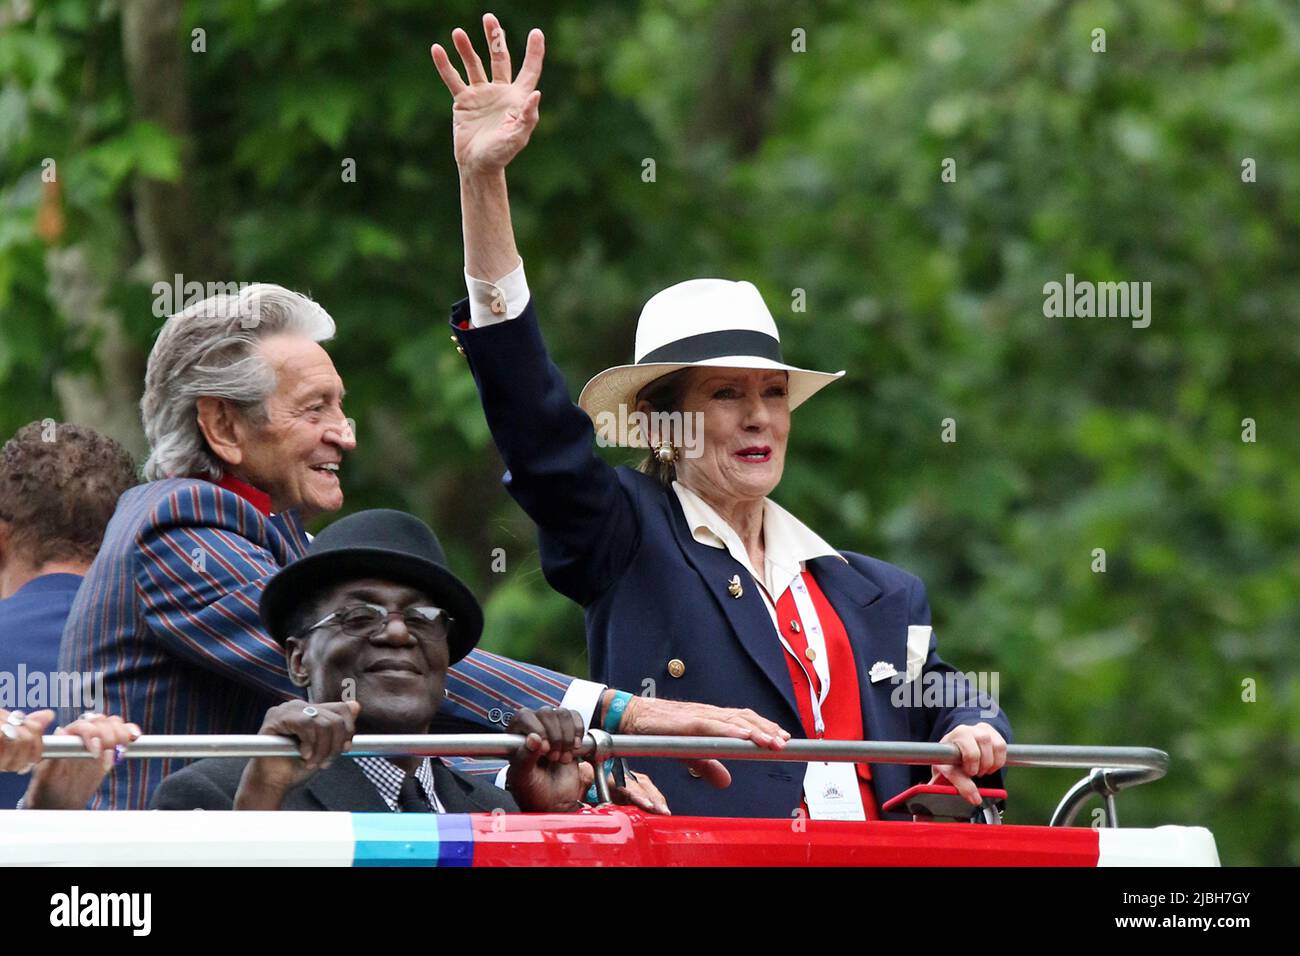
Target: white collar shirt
<point x="788" y="543"/>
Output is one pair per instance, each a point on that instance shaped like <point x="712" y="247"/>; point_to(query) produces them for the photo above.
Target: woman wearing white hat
<point x="696" y="585"/>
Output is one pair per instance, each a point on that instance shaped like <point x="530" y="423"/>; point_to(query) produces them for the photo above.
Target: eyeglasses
<point x="366" y="620"/>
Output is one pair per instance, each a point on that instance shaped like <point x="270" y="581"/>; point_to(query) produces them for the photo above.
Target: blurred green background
<point x="814" y="170"/>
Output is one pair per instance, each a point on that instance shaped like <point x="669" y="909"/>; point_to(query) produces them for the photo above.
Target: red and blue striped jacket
<point x="168" y="613"/>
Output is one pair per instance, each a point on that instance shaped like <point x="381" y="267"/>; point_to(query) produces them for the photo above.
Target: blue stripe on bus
<point x="395" y="839"/>
<point x="456" y="840"/>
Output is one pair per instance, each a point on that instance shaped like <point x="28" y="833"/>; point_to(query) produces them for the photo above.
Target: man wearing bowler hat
<point x="370" y="619"/>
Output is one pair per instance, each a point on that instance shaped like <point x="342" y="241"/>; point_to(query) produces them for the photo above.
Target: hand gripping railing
<point x="1112" y="769"/>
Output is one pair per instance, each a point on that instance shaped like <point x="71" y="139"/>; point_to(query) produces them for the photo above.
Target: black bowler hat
<point x="384" y="544"/>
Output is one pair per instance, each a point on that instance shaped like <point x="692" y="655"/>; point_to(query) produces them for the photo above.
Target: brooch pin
<point x="734" y="586"/>
<point x="881" y="670"/>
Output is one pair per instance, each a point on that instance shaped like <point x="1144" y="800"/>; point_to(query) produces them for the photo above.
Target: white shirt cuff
<point x="493" y="302"/>
<point x="584" y="697"/>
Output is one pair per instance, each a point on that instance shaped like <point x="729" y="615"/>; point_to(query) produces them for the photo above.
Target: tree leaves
<point x="1072" y="434"/>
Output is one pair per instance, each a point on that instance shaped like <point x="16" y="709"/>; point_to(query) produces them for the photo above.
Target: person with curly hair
<point x="59" y="485"/>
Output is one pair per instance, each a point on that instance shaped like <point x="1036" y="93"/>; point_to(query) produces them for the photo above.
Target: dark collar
<point x="47" y="583"/>
<point x="459" y="795"/>
<point x="343" y="787"/>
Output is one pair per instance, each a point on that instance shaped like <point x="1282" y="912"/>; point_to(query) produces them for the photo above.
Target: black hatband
<point x="707" y="345"/>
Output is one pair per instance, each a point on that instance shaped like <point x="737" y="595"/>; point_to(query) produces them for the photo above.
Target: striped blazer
<point x="168" y="614"/>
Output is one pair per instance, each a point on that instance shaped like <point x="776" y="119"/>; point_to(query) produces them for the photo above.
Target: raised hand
<point x="493" y="119"/>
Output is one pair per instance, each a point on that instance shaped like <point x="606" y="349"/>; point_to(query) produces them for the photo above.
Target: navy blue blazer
<point x="616" y="541"/>
<point x="31" y="625"/>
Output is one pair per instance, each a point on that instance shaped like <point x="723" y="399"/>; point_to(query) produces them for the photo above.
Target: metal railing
<point x="1111" y="769"/>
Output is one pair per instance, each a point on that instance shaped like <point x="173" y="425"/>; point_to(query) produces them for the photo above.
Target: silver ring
<point x="8" y="731"/>
<point x="90" y="715"/>
<point x="310" y="711"/>
<point x="15" y="718"/>
<point x="119" y="754"/>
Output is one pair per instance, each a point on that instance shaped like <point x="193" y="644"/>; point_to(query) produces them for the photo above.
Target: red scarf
<point x="254" y="496"/>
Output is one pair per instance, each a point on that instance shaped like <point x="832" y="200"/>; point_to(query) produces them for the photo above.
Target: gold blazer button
<point x="676" y="668"/>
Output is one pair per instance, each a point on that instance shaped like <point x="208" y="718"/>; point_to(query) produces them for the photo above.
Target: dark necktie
<point x="410" y="799"/>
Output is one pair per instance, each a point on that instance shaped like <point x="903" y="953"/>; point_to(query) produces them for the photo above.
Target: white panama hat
<point x="712" y="323"/>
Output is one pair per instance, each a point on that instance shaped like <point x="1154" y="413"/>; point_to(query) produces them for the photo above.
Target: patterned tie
<point x="410" y="799"/>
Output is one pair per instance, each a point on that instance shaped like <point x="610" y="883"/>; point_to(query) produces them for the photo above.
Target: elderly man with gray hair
<point x="243" y="410"/>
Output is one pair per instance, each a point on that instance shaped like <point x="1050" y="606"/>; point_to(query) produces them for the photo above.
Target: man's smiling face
<point x="397" y="676"/>
<point x="294" y="455"/>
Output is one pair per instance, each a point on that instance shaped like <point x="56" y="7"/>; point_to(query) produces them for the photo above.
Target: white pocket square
<point x="918" y="649"/>
<point x="882" y="670"/>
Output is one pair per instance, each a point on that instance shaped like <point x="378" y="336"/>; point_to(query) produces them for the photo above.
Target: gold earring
<point x="665" y="452"/>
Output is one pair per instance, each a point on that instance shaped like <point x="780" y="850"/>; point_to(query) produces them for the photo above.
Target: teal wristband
<point x="616" y="708"/>
<point x="592" y="796"/>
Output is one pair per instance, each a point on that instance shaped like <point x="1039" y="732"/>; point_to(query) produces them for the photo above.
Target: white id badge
<point x="832" y="792"/>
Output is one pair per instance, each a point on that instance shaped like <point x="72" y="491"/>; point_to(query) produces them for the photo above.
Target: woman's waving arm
<point x="492" y="121"/>
<point x="588" y="522"/>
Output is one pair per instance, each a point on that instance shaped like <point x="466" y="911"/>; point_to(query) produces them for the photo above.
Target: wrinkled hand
<point x="20" y="739"/>
<point x="321" y="738"/>
<point x="69" y="783"/>
<point x="544" y="773"/>
<point x="639" y="791"/>
<point x="652" y="715"/>
<point x="983" y="751"/>
<point x="491" y="120"/>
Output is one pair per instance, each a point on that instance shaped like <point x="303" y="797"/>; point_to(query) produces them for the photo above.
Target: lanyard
<point x="816" y="641"/>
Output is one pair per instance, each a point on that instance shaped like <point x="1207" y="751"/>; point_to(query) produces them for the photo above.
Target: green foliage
<point x="817" y="171"/>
